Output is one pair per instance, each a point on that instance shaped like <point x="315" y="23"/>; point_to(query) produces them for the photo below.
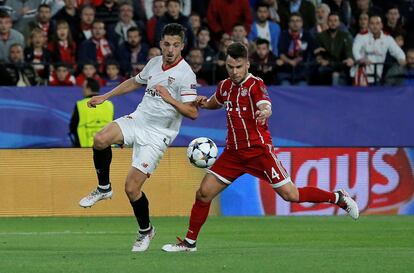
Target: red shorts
<point x="259" y="161"/>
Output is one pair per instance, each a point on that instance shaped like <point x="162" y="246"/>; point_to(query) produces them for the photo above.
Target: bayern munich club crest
<point x="244" y="92"/>
<point x="171" y="80"/>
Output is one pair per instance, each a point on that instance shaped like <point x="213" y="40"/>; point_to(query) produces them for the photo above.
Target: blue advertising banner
<point x="302" y="116"/>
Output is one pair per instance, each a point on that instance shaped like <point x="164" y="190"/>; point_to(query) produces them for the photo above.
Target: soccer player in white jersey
<point x="169" y="95"/>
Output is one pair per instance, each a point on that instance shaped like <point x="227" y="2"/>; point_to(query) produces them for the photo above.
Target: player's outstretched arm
<point x="210" y="103"/>
<point x="123" y="88"/>
<point x="264" y="112"/>
<point x="188" y="109"/>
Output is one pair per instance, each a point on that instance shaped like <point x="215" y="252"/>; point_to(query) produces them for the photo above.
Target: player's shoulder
<point x="224" y="83"/>
<point x="256" y="79"/>
<point x="186" y="70"/>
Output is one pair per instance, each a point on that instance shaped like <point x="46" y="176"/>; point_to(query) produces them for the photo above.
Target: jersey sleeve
<point x="142" y="77"/>
<point x="259" y="94"/>
<point x="218" y="94"/>
<point x="188" y="88"/>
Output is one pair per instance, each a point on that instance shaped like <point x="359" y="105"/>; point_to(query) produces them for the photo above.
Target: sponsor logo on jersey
<point x="152" y="92"/>
<point x="170" y="80"/>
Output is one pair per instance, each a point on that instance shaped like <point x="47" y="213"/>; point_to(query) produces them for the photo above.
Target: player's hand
<point x="201" y="101"/>
<point x="96" y="100"/>
<point x="163" y="93"/>
<point x="262" y="116"/>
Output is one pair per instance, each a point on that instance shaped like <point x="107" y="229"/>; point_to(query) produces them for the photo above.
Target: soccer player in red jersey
<point x="249" y="148"/>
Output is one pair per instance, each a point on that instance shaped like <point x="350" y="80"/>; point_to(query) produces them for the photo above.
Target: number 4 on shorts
<point x="274" y="173"/>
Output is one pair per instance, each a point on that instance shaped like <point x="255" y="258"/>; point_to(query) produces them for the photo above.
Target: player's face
<point x="171" y="47"/>
<point x="237" y="68"/>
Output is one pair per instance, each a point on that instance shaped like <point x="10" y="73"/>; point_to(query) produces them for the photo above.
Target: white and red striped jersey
<point x="179" y="80"/>
<point x="241" y="102"/>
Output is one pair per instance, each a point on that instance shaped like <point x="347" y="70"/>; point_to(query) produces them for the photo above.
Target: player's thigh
<point x="134" y="182"/>
<point x="227" y="167"/>
<point x="146" y="158"/>
<point x="269" y="168"/>
<point x="128" y="126"/>
<point x="110" y="134"/>
<point x="210" y="187"/>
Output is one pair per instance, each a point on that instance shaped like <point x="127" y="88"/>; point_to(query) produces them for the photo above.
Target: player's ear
<point x="248" y="64"/>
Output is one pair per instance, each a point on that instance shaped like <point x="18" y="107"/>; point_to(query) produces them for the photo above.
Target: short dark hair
<point x="335" y="13"/>
<point x="176" y="1"/>
<point x="132" y="29"/>
<point x="295" y="14"/>
<point x="174" y="29"/>
<point x="261" y="41"/>
<point x="92" y="84"/>
<point x="203" y="28"/>
<point x="4" y="14"/>
<point x="43" y="6"/>
<point x="112" y="61"/>
<point x="262" y="5"/>
<point x="237" y="50"/>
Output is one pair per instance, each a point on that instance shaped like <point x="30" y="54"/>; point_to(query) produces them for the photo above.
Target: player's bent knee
<point x="99" y="141"/>
<point x="203" y="196"/>
<point x="290" y="195"/>
<point x="132" y="192"/>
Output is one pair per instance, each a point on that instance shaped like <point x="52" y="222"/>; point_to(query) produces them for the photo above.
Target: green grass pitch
<point x="227" y="244"/>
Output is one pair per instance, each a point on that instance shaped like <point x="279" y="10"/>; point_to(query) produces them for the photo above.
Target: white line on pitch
<point x="65" y="232"/>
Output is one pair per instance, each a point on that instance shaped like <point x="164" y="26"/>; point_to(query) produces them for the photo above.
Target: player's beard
<point x="240" y="79"/>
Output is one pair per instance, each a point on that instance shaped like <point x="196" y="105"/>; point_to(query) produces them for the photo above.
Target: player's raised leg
<point x="210" y="187"/>
<point x="139" y="204"/>
<point x="102" y="157"/>
<point x="282" y="184"/>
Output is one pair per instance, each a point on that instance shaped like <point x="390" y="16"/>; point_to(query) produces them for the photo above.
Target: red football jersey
<point x="241" y="102"/>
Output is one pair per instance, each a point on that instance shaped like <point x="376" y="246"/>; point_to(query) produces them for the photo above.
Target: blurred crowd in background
<point x="291" y="42"/>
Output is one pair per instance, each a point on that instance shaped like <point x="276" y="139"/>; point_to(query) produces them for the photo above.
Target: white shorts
<point x="148" y="147"/>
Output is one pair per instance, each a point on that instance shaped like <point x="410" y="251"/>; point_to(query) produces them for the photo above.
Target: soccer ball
<point x="202" y="152"/>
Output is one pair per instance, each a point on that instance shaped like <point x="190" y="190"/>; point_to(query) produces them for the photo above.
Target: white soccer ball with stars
<point x="202" y="152"/>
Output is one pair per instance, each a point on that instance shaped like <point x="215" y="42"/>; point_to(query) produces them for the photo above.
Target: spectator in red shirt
<point x="159" y="9"/>
<point x="62" y="46"/>
<point x="222" y="15"/>
<point x="61" y="76"/>
<point x="88" y="71"/>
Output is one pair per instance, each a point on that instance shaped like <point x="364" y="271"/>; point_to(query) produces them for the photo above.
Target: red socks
<point x="315" y="195"/>
<point x="198" y="216"/>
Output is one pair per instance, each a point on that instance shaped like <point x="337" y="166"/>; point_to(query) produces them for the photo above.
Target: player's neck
<point x="244" y="79"/>
<point x="166" y="66"/>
